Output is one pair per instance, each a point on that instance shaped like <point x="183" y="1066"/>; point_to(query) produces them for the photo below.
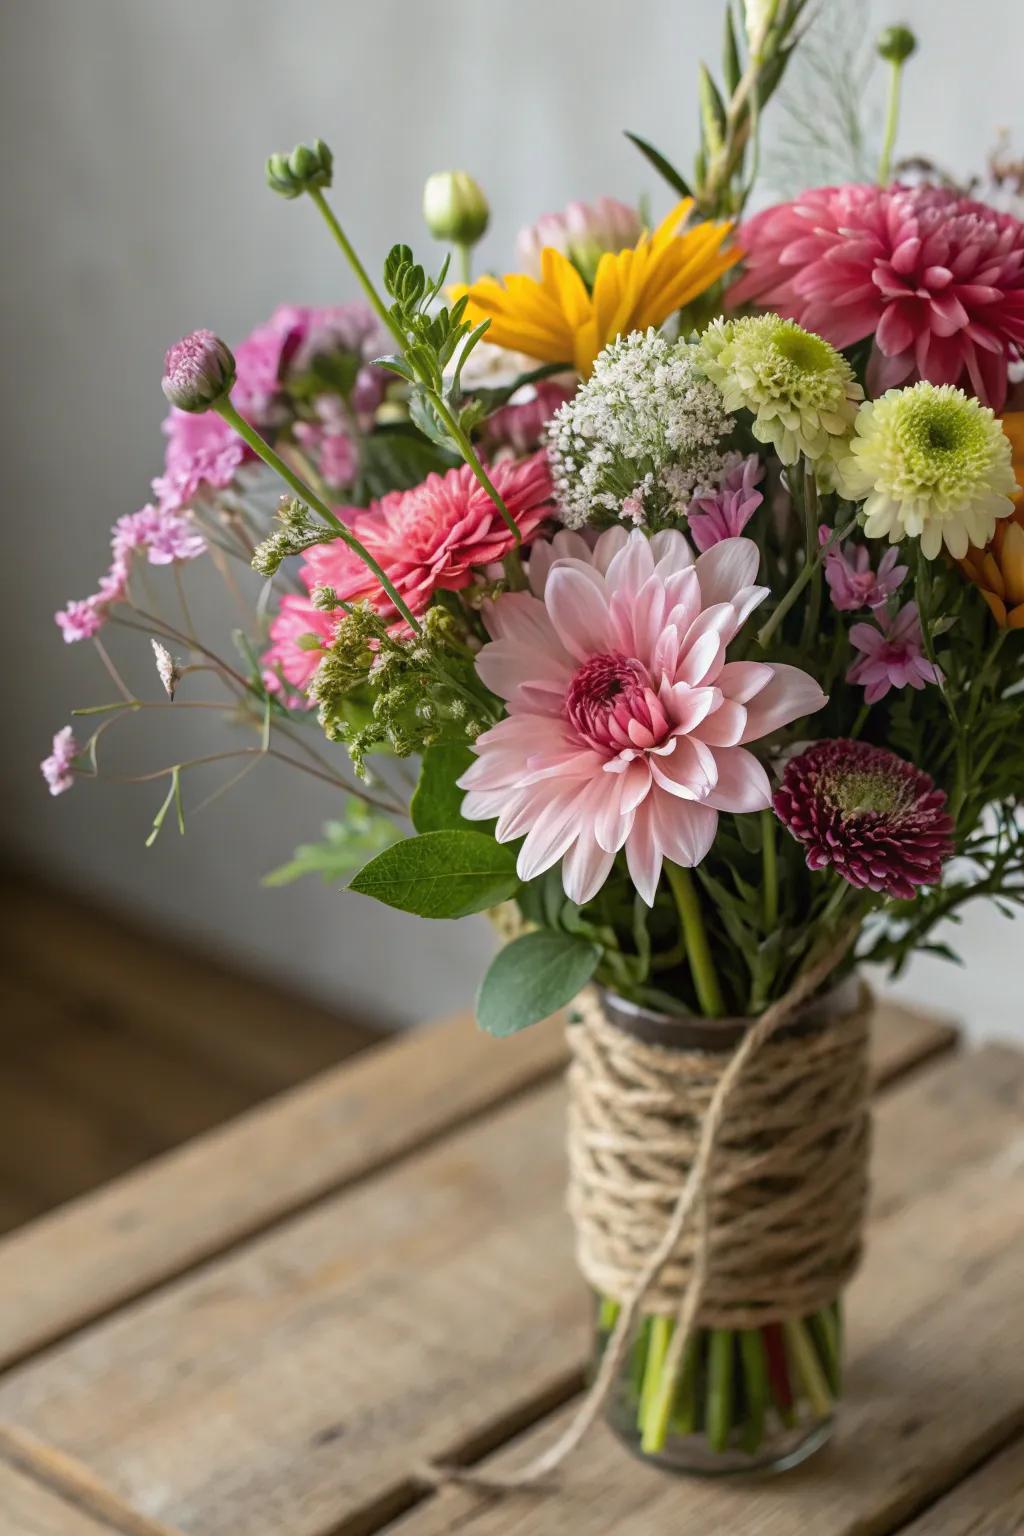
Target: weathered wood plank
<point x="52" y="1495"/>
<point x="296" y="1384"/>
<point x="79" y="1263"/>
<point x="89" y="1258"/>
<point x="988" y="1503"/>
<point x="936" y="1336"/>
<point x="28" y="1509"/>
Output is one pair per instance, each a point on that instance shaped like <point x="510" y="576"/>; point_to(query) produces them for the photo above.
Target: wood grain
<point x="988" y="1503"/>
<point x="296" y="1384"/>
<point x="29" y="1509"/>
<point x="79" y="1263"/>
<point x="936" y="1336"/>
<point x="73" y="1491"/>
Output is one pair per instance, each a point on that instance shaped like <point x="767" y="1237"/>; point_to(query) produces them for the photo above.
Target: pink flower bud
<point x="199" y="370"/>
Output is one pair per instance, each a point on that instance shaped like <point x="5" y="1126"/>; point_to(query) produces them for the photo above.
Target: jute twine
<point x="727" y="1191"/>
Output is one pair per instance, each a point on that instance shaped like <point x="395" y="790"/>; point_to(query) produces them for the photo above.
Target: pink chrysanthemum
<point x="875" y="819"/>
<point x="936" y="279"/>
<point x="58" y="768"/>
<point x="852" y="580"/>
<point x="432" y="538"/>
<point x="299" y="634"/>
<point x="725" y="514"/>
<point x="892" y="655"/>
<point x="627" y="727"/>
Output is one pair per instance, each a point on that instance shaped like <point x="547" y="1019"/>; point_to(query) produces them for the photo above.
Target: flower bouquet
<point x="686" y="564"/>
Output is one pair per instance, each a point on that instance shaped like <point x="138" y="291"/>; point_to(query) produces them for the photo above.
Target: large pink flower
<point x="434" y="536"/>
<point x="936" y="279"/>
<point x="299" y="636"/>
<point x="626" y="724"/>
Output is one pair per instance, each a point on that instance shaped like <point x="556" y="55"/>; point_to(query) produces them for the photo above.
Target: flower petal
<point x="789" y="696"/>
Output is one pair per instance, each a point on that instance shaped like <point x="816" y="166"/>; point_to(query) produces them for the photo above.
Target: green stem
<point x="803" y="576"/>
<point x="755" y="1381"/>
<point x="462" y="251"/>
<point x="362" y="276"/>
<point x="807" y="1367"/>
<point x="654" y="1425"/>
<point x="812" y="615"/>
<point x="770" y="871"/>
<point x="698" y="950"/>
<point x="683" y="1420"/>
<point x="719" y="1398"/>
<point x="892" y="122"/>
<point x="462" y="442"/>
<point x="273" y="460"/>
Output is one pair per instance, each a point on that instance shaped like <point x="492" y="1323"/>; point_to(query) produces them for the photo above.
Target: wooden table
<point x="264" y="1333"/>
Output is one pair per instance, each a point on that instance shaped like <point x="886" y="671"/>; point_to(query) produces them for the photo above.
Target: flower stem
<point x="273" y="460"/>
<point x="892" y="122"/>
<point x="770" y="870"/>
<point x="653" y="1426"/>
<point x="465" y="270"/>
<point x="469" y="453"/>
<point x="803" y="576"/>
<point x="362" y="276"/>
<point x="812" y="615"/>
<point x="698" y="950"/>
<point x="807" y="1366"/>
<point x="719" y="1402"/>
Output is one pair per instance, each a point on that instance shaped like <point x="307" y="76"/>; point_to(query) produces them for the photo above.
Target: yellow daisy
<point x="557" y="320"/>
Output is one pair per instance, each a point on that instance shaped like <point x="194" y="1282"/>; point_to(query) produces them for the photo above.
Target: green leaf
<point x="732" y="70"/>
<point x="531" y="978"/>
<point x="441" y="874"/>
<point x="396" y="459"/>
<point x="437" y="803"/>
<point x="661" y="165"/>
<point x="712" y="111"/>
<point x="345" y="846"/>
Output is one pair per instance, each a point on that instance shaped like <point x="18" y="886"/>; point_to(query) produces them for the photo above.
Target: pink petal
<point x="683" y="831"/>
<point x="558" y="824"/>
<point x="579" y="612"/>
<point x="741" y="680"/>
<point x="742" y="784"/>
<point x="789" y="696"/>
<point x="643" y="852"/>
<point x="725" y="568"/>
<point x="585" y="868"/>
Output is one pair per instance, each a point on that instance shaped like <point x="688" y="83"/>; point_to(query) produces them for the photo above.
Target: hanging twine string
<point x="639" y="1274"/>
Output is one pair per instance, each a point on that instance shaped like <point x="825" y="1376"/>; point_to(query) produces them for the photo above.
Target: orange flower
<point x="998" y="569"/>
<point x="556" y="318"/>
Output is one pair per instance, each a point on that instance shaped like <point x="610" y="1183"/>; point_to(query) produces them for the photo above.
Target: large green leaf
<point x="437" y="804"/>
<point x="441" y="874"/>
<point x="532" y="978"/>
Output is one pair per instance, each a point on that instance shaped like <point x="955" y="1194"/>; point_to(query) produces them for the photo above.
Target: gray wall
<point x="135" y="210"/>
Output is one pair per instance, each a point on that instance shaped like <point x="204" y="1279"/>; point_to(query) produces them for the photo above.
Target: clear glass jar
<point x="747" y="1400"/>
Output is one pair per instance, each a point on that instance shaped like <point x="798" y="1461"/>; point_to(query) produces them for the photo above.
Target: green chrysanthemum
<point x="934" y="464"/>
<point x="801" y="391"/>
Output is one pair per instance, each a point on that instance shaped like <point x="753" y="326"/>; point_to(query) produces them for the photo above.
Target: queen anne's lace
<point x="641" y="438"/>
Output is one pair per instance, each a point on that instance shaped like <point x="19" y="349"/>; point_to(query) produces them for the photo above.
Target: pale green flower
<point x="934" y="464"/>
<point x="802" y="393"/>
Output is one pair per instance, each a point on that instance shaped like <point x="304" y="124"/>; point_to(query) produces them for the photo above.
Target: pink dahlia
<point x="432" y="538"/>
<point x="875" y="819"/>
<point x="583" y="232"/>
<point x="627" y="727"/>
<point x="852" y="580"/>
<point x="936" y="279"/>
<point x="726" y="513"/>
<point x="892" y="655"/>
<point x="299" y="635"/>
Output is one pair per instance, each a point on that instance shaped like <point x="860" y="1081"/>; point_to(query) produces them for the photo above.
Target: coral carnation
<point x="936" y="279"/>
<point x="627" y="728"/>
<point x="875" y="819"/>
<point x="300" y="634"/>
<point x="432" y="537"/>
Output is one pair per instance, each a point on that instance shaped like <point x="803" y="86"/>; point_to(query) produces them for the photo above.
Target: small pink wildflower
<point x="726" y="513"/>
<point x="892" y="655"/>
<point x="851" y="579"/>
<point x="80" y="619"/>
<point x="57" y="769"/>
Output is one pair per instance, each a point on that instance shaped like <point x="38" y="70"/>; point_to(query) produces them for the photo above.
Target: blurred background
<point x="136" y="211"/>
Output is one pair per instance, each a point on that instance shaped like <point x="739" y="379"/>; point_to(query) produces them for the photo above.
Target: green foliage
<point x="395" y="459"/>
<point x="437" y="803"/>
<point x="531" y="978"/>
<point x="441" y="874"/>
<point x="345" y="845"/>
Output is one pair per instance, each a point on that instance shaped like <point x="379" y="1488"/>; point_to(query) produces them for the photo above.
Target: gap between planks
<point x="74" y="1487"/>
<point x="82" y="1264"/>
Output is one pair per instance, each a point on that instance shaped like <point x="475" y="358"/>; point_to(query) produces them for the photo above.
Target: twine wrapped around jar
<point x="788" y="1191"/>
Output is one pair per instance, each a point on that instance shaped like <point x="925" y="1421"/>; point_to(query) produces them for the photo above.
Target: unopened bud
<point x="896" y="44"/>
<point x="307" y="167"/>
<point x="455" y="208"/>
<point x="199" y="370"/>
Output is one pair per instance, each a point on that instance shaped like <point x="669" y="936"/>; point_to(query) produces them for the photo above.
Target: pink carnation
<point x="725" y="514"/>
<point x="852" y="581"/>
<point x="936" y="279"/>
<point x="892" y="655"/>
<point x="58" y="768"/>
<point x="627" y="727"/>
<point x="433" y="538"/>
<point x="292" y="653"/>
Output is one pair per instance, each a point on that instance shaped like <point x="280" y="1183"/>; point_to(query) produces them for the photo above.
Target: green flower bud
<point x="896" y="44"/>
<point x="304" y="169"/>
<point x="455" y="208"/>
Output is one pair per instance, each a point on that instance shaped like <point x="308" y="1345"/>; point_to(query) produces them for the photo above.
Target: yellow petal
<point x="672" y="222"/>
<point x="1012" y="562"/>
<point x="998" y="608"/>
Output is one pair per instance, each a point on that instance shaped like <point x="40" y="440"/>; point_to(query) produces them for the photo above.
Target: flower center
<point x="607" y="696"/>
<point x="807" y="353"/>
<point x="865" y="793"/>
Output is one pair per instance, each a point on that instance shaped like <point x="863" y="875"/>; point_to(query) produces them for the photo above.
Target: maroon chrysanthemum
<point x="876" y="819"/>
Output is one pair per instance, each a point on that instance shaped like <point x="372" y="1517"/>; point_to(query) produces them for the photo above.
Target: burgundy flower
<point x="936" y="279"/>
<point x="875" y="819"/>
